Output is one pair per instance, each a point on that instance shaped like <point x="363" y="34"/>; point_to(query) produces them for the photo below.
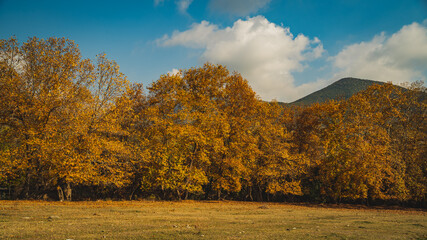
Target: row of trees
<point x="71" y="123"/>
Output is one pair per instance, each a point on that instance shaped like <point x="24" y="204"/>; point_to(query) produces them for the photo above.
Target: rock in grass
<point x="53" y="217"/>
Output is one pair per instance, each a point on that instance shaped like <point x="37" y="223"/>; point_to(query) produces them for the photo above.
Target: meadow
<point x="205" y="220"/>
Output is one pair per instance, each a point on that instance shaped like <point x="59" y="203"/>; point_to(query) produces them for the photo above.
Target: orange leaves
<point x="358" y="144"/>
<point x="60" y="111"/>
<point x="75" y="122"/>
<point x="197" y="128"/>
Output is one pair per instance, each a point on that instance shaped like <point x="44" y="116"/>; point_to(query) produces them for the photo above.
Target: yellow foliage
<point x="67" y="121"/>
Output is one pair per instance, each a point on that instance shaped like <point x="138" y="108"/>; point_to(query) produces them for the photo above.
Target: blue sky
<point x="286" y="49"/>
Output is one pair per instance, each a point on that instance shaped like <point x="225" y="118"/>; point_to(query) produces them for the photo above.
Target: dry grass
<point x="203" y="220"/>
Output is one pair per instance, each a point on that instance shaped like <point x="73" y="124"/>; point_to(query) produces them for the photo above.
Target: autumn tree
<point x="196" y="130"/>
<point x="232" y="167"/>
<point x="171" y="146"/>
<point x="306" y="127"/>
<point x="409" y="138"/>
<point x="357" y="163"/>
<point x="68" y="123"/>
<point x="354" y="145"/>
<point x="41" y="79"/>
<point x="401" y="112"/>
<point x="48" y="107"/>
<point x="277" y="168"/>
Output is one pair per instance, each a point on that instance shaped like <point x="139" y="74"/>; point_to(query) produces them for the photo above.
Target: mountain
<point x="341" y="89"/>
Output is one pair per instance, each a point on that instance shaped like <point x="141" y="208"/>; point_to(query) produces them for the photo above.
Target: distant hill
<point x="341" y="89"/>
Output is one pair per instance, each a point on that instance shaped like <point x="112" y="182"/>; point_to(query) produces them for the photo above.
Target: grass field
<point x="204" y="220"/>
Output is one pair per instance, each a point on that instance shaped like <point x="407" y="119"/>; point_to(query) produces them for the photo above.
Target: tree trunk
<point x="133" y="191"/>
<point x="179" y="194"/>
<point x="60" y="194"/>
<point x="68" y="192"/>
<point x="260" y="199"/>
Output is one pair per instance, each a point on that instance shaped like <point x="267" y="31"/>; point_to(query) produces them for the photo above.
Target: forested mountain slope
<point x="341" y="89"/>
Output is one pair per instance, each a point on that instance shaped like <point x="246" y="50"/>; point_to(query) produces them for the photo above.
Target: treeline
<point x="73" y="127"/>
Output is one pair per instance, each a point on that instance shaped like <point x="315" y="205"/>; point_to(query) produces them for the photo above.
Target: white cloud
<point x="402" y="57"/>
<point x="238" y="7"/>
<point x="264" y="53"/>
<point x="268" y="55"/>
<point x="196" y="37"/>
<point x="183" y="5"/>
<point x="174" y="71"/>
